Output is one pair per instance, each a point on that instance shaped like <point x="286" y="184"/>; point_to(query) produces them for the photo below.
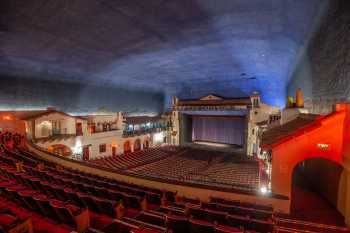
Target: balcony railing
<point x="139" y="132"/>
<point x="103" y="131"/>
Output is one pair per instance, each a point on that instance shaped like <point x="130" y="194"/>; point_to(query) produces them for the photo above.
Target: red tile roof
<point x="278" y="133"/>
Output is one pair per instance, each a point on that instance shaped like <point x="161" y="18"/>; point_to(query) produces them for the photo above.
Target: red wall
<point x="303" y="145"/>
<point x="9" y="122"/>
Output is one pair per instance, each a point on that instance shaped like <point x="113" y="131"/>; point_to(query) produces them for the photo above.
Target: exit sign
<point x="323" y="146"/>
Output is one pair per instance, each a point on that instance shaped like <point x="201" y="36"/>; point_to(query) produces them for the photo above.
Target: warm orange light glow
<point x="7" y="118"/>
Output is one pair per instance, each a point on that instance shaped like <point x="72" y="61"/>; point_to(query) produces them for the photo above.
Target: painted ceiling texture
<point x="187" y="48"/>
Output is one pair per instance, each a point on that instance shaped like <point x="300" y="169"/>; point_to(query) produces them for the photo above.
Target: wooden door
<point x="79" y="129"/>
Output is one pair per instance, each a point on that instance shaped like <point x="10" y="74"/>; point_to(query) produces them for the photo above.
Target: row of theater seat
<point x="193" y="166"/>
<point x="10" y="221"/>
<point x="55" y="177"/>
<point x="35" y="200"/>
<point x="185" y="168"/>
<point x="134" y="159"/>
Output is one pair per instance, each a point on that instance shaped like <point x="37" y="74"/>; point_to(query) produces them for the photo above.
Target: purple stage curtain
<point x="218" y="129"/>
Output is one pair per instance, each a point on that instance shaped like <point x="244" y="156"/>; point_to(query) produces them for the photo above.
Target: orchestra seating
<point x="203" y="167"/>
<point x="134" y="159"/>
<point x="60" y="199"/>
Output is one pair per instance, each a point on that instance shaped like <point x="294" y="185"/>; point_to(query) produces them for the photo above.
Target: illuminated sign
<point x="323" y="146"/>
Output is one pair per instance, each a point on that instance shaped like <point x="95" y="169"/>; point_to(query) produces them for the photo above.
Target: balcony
<point x="139" y="132"/>
<point x="54" y="137"/>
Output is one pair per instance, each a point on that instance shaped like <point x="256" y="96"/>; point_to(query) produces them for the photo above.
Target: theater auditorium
<point x="180" y="116"/>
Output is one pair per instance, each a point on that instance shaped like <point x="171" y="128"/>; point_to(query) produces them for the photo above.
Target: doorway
<point x="114" y="150"/>
<point x="86" y="153"/>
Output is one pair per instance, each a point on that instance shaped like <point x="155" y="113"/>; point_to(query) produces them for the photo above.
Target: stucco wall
<point x="67" y="124"/>
<point x="28" y="93"/>
<point x="323" y="72"/>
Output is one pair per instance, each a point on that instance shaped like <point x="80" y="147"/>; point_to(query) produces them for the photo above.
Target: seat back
<point x="107" y="207"/>
<point x="29" y="201"/>
<point x="64" y="214"/>
<point x="215" y="216"/>
<point x="261" y="225"/>
<point x="196" y="212"/>
<point x="238" y="221"/>
<point x="74" y="197"/>
<point x="132" y="201"/>
<point x="177" y="224"/>
<point x="201" y="227"/>
<point x="45" y="207"/>
<point x="91" y="203"/>
<point x="60" y="193"/>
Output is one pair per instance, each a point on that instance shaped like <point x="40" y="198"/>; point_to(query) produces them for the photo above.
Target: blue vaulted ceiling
<point x="186" y="48"/>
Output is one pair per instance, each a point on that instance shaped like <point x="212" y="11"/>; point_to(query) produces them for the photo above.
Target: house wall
<point x="67" y="124"/>
<point x="110" y="138"/>
<point x="256" y="115"/>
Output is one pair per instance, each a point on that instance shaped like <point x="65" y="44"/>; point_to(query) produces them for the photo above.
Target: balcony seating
<point x="198" y="226"/>
<point x="178" y="224"/>
<point x="120" y="227"/>
<point x="226" y="229"/>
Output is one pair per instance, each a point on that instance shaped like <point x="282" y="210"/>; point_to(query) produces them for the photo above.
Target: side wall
<point x="323" y="71"/>
<point x="305" y="145"/>
<point x="31" y="93"/>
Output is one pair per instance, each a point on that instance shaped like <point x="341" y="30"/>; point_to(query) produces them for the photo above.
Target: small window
<point x="102" y="148"/>
<point x="253" y="131"/>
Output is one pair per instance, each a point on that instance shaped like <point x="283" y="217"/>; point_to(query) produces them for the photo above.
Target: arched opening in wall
<point x="60" y="149"/>
<point x="315" y="191"/>
<point x="137" y="145"/>
<point x="127" y="147"/>
<point x="146" y="144"/>
<point x="45" y="129"/>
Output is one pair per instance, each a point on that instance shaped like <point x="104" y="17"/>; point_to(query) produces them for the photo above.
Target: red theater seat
<point x="238" y="221"/>
<point x="107" y="207"/>
<point x="227" y="229"/>
<point x="27" y="197"/>
<point x="65" y="213"/>
<point x="177" y="224"/>
<point x="199" y="226"/>
<point x="45" y="208"/>
<point x="7" y="220"/>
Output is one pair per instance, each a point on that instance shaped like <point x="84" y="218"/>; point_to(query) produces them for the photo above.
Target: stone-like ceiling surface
<point x="182" y="47"/>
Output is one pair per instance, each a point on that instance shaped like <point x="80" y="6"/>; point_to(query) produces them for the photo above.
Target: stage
<point x="213" y="146"/>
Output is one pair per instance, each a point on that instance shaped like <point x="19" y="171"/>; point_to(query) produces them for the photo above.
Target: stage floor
<point x="213" y="146"/>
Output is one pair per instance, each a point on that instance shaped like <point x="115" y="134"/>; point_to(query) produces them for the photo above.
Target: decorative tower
<point x="299" y="98"/>
<point x="290" y="102"/>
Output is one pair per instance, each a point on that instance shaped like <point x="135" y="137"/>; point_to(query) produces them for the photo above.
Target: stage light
<point x="263" y="190"/>
<point x="77" y="149"/>
<point x="158" y="137"/>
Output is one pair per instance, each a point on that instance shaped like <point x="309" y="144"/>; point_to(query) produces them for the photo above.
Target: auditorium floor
<point x="309" y="206"/>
